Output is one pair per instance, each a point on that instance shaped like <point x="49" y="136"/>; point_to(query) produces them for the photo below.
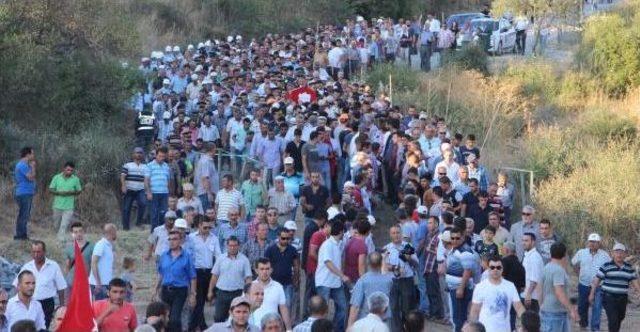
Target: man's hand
<point x="574" y="314"/>
<point x="113" y="308"/>
<point x="192" y="300"/>
<point x="459" y="293"/>
<point x="149" y="196"/>
<point x="123" y="189"/>
<point x="32" y="164"/>
<point x="592" y="297"/>
<point x="345" y="279"/>
<point x="211" y="296"/>
<point x="527" y="300"/>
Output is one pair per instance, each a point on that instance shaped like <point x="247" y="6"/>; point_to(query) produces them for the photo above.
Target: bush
<point x="536" y="78"/>
<point x="402" y="77"/>
<point x="469" y="57"/>
<point x="575" y="89"/>
<point x="599" y="196"/>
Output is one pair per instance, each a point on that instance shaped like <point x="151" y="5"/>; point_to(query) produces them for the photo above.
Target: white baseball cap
<point x="445" y="236"/>
<point x="619" y="246"/>
<point x="372" y="220"/>
<point x="180" y="223"/>
<point x="332" y="212"/>
<point x="166" y="81"/>
<point x="290" y="225"/>
<point x="594" y="237"/>
<point x="423" y="210"/>
<point x="288" y="161"/>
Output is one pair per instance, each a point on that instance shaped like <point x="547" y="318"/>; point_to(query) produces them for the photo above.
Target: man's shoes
<point x="21" y="238"/>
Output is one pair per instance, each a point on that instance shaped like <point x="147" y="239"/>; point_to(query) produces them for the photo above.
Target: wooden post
<point x="390" y="91"/>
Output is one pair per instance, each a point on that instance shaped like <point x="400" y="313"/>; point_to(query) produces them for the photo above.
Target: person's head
<point x="489" y="233"/>
<point x="508" y="248"/>
<point x="159" y="310"/>
<point x="253" y="175"/>
<point x="38" y="251"/>
<point x="68" y="168"/>
<point x="110" y="232"/>
<point x="337" y="229"/>
<point x="474" y="186"/>
<point x="24" y="325"/>
<point x="26" y="283"/>
<point x="227" y="181"/>
<point x="27" y="153"/>
<point x="558" y="251"/>
<point x="322" y="325"/>
<point x="457" y="238"/>
<point x="172" y="202"/>
<point x="187" y="189"/>
<point x="315" y="178"/>
<point x="494" y="220"/>
<point x="378" y="302"/>
<point x="363" y="227"/>
<point x="77" y="231"/>
<point x="272" y="216"/>
<point x="233" y="245"/>
<point x="204" y="226"/>
<point x="58" y="316"/>
<point x="432" y="224"/>
<point x="261" y="212"/>
<point x="473" y="327"/>
<point x="593" y="242"/>
<point x="530" y="321"/>
<point x="318" y="307"/>
<point x="469" y="226"/>
<point x="495" y="267"/>
<point x="414" y="321"/>
<point x="211" y="214"/>
<point x="239" y="311"/>
<point x="545" y="228"/>
<point x="619" y="253"/>
<point x="175" y="238"/>
<point x="271" y="322"/>
<point x="255" y="292"/>
<point x="4" y="299"/>
<point x="128" y="264"/>
<point x="161" y="154"/>
<point x="279" y="183"/>
<point x="262" y="231"/>
<point x="395" y="233"/>
<point x="527" y="213"/>
<point x="528" y="241"/>
<point x="233" y="214"/>
<point x="117" y="291"/>
<point x="263" y="269"/>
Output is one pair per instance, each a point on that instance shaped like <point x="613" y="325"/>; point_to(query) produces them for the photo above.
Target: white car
<point x="500" y="34"/>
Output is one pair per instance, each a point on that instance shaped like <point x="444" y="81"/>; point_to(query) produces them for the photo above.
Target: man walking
<point x="86" y="249"/>
<point x="556" y="308"/>
<point x="102" y="262"/>
<point x="378" y="304"/>
<point x="493" y="299"/>
<point x="372" y="281"/>
<point x="286" y="266"/>
<point x="587" y="262"/>
<point x="49" y="279"/>
<point x="114" y="313"/>
<point x="132" y="187"/>
<point x="25" y="181"/>
<point x="23" y="305"/>
<point x="274" y="300"/>
<point x="526" y="225"/>
<point x="533" y="267"/>
<point x="176" y="279"/>
<point x="156" y="182"/>
<point x="615" y="277"/>
<point x="64" y="186"/>
<point x="461" y="266"/>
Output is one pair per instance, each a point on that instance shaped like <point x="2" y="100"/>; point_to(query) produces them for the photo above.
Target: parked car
<point x="495" y="36"/>
<point x="463" y="18"/>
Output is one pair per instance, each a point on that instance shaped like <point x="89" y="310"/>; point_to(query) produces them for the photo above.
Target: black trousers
<point x="403" y="300"/>
<point x="223" y="303"/>
<point x="197" y="321"/>
<point x="615" y="305"/>
<point x="521" y="39"/>
<point x="436" y="310"/>
<point x="309" y="291"/>
<point x="48" y="306"/>
<point x="174" y="297"/>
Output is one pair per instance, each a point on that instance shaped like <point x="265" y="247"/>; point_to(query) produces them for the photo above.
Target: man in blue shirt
<point x="25" y="181"/>
<point x="292" y="182"/>
<point x="286" y="264"/>
<point x="462" y="267"/>
<point x="156" y="181"/>
<point x="176" y="276"/>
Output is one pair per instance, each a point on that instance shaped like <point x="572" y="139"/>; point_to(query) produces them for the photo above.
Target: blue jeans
<point x="422" y="286"/>
<point x="24" y="214"/>
<point x="340" y="303"/>
<point x="583" y="307"/>
<point x="460" y="308"/>
<point x="159" y="205"/>
<point x="127" y="203"/>
<point x="288" y="294"/>
<point x="554" y="322"/>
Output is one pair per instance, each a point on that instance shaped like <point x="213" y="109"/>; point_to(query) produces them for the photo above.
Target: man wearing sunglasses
<point x="493" y="298"/>
<point x="526" y="225"/>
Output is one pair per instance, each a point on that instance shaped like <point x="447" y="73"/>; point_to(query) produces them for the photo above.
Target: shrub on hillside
<point x="600" y="196"/>
<point x="607" y="125"/>
<point x="536" y="78"/>
<point x="469" y="57"/>
<point x="402" y="78"/>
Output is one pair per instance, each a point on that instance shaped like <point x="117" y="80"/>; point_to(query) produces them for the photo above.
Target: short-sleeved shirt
<point x="292" y="183"/>
<point x="231" y="272"/>
<point x="589" y="264"/>
<point x="176" y="271"/>
<point x="553" y="275"/>
<point x="533" y="267"/>
<point x="160" y="239"/>
<point x="63" y="183"/>
<point x="317" y="239"/>
<point x="226" y="231"/>
<point x="309" y="229"/>
<point x="485" y="249"/>
<point x="124" y="319"/>
<point x="206" y="168"/>
<point x="104" y="250"/>
<point x="616" y="279"/>
<point x="49" y="279"/>
<point x="354" y="248"/>
<point x="134" y="175"/>
<point x="282" y="262"/>
<point x="330" y="251"/>
<point x="253" y="195"/>
<point x="496" y="301"/>
<point x="69" y="254"/>
<point x="159" y="176"/>
<point x="273" y="296"/>
<point x="24" y="186"/>
<point x="227" y="199"/>
<point x="458" y="260"/>
<point x="318" y="199"/>
<point x="369" y="283"/>
<point x="310" y="151"/>
<point x="16" y="310"/>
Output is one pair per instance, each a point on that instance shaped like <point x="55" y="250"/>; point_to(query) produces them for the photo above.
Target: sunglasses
<point x="442" y="173"/>
<point x="285" y="238"/>
<point x="526" y="214"/>
<point x="455" y="238"/>
<point x="493" y="267"/>
<point x="174" y="239"/>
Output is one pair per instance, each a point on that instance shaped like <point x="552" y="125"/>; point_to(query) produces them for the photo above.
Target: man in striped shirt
<point x="132" y="187"/>
<point x="229" y="198"/>
<point x="615" y="277"/>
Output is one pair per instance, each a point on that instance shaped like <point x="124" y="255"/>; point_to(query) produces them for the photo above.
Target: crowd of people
<point x="261" y="166"/>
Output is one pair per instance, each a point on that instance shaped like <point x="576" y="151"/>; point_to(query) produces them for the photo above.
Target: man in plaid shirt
<point x="431" y="270"/>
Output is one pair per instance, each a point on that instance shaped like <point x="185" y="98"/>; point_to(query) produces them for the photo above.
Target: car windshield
<point x="485" y="26"/>
<point x="461" y="19"/>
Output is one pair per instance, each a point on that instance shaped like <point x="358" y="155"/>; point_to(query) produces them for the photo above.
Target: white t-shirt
<point x="335" y="57"/>
<point x="273" y="297"/>
<point x="330" y="250"/>
<point x="496" y="301"/>
<point x="533" y="266"/>
<point x="104" y="250"/>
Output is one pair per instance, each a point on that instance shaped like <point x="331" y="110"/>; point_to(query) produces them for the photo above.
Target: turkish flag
<point x="79" y="315"/>
<point x="303" y="94"/>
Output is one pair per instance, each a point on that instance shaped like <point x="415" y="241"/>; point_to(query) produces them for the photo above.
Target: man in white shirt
<point x="493" y="298"/>
<point x="102" y="262"/>
<point x="336" y="57"/>
<point x="49" y="279"/>
<point x="274" y="300"/>
<point x="586" y="262"/>
<point x="329" y="276"/>
<point x="22" y="305"/>
<point x="533" y="266"/>
<point x="378" y="303"/>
